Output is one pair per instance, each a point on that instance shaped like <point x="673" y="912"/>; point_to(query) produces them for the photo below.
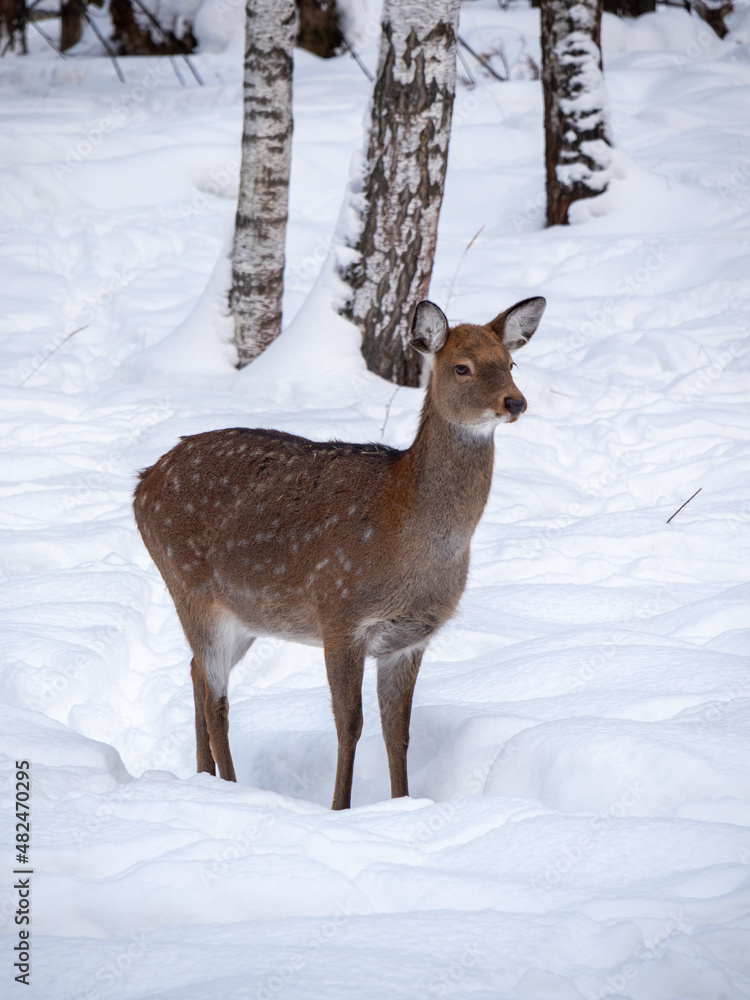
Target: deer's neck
<point x="450" y="472"/>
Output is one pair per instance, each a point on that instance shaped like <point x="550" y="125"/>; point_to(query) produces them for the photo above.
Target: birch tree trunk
<point x="398" y="204"/>
<point x="577" y="144"/>
<point x="260" y="225"/>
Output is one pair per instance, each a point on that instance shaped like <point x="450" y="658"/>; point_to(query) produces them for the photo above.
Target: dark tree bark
<point x="71" y="28"/>
<point x="260" y="226"/>
<point x="713" y="13"/>
<point x="629" y="8"/>
<point x="135" y="34"/>
<point x="319" y="30"/>
<point x="13" y="26"/>
<point x="399" y="202"/>
<point x="577" y="145"/>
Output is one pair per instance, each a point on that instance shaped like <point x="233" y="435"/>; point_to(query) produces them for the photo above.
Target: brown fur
<point x="362" y="549"/>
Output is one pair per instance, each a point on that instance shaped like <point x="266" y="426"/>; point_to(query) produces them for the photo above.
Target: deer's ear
<point x="429" y="331"/>
<point x="516" y="326"/>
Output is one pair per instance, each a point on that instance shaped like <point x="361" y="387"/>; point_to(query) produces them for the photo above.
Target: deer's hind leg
<point x="217" y="647"/>
<point x="397" y="675"/>
<point x="204" y="757"/>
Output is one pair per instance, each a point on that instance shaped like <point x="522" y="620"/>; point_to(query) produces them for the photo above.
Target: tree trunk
<point x="71" y="28"/>
<point x="577" y="145"/>
<point x="629" y="8"/>
<point x="319" y="30"/>
<point x="13" y="26"/>
<point x="260" y="226"/>
<point x="402" y="189"/>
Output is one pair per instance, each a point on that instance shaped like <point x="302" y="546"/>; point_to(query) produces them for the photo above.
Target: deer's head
<point x="471" y="381"/>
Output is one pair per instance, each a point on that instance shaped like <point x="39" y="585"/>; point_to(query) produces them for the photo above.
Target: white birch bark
<point x="260" y="226"/>
<point x="577" y="142"/>
<point x="398" y="203"/>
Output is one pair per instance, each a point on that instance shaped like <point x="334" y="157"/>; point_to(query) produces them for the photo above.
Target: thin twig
<point x="388" y="410"/>
<point x="163" y="33"/>
<point x="110" y="51"/>
<point x="165" y="36"/>
<point x="176" y="69"/>
<point x="47" y="39"/>
<point x="465" y="65"/>
<point x="194" y="71"/>
<point x="686" y="503"/>
<point x="506" y="67"/>
<point x="54" y="350"/>
<point x="356" y="58"/>
<point x="481" y="59"/>
<point x="458" y="266"/>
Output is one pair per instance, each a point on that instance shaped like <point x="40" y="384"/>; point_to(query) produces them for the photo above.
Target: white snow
<point x="579" y="826"/>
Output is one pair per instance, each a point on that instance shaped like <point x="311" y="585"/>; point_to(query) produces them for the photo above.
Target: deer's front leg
<point x="397" y="675"/>
<point x="345" y="667"/>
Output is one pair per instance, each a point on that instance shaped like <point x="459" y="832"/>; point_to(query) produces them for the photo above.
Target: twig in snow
<point x="481" y="59"/>
<point x="472" y="79"/>
<point x="157" y="24"/>
<point x="194" y="71"/>
<point x="458" y="266"/>
<point x="501" y="53"/>
<point x="54" y="350"/>
<point x="356" y="58"/>
<point x="47" y="39"/>
<point x="109" y="50"/>
<point x="685" y="504"/>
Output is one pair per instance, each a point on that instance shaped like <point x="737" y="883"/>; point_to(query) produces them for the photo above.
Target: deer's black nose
<point x="514" y="406"/>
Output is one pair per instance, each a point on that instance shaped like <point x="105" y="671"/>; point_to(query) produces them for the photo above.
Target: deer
<point x="362" y="549"/>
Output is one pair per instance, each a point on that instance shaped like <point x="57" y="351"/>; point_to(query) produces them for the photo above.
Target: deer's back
<point x="285" y="532"/>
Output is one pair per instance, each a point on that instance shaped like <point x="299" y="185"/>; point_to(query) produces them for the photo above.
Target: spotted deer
<point x="360" y="548"/>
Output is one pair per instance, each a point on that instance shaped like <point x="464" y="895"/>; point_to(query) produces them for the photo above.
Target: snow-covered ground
<point x="579" y="826"/>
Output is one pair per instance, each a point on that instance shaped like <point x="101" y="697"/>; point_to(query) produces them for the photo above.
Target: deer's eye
<point x="462" y="369"/>
<point x="513" y="365"/>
